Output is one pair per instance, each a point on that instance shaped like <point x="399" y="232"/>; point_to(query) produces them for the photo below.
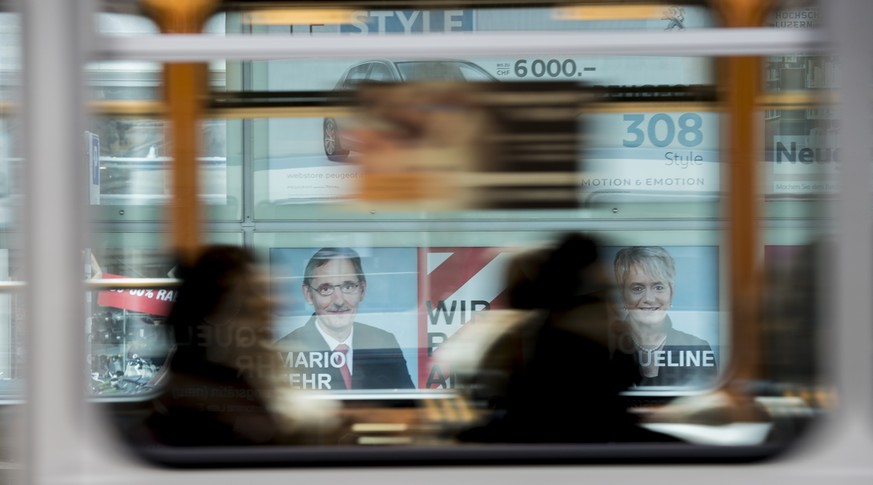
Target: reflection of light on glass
<point x="611" y="12"/>
<point x="302" y="16"/>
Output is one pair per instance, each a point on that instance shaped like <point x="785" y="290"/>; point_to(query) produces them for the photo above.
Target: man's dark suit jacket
<point x="378" y="361"/>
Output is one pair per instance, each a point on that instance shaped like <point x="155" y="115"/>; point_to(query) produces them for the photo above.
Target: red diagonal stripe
<point x="457" y="270"/>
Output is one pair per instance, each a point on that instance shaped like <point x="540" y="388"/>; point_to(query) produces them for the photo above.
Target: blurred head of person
<point x="334" y="284"/>
<point x="557" y="342"/>
<point x="221" y="385"/>
<point x="222" y="311"/>
<point x="645" y="276"/>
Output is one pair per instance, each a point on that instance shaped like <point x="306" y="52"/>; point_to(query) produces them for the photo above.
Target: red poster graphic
<point x="155" y="302"/>
<point x="455" y="285"/>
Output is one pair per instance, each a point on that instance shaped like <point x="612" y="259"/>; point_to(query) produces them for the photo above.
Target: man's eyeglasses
<point x="347" y="288"/>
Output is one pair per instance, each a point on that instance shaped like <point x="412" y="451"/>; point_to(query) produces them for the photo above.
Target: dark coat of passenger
<point x="551" y="379"/>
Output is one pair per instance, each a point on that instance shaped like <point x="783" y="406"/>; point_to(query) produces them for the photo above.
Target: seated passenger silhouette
<point x="550" y="378"/>
<point x="220" y="378"/>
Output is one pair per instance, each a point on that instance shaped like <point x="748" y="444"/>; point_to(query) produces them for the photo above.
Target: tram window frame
<point x="558" y="457"/>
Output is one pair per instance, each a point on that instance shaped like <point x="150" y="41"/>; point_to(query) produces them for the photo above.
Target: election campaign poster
<point x="409" y="302"/>
<point x="456" y="285"/>
<point x="674" y="289"/>
<point x="363" y="297"/>
<point x="460" y="286"/>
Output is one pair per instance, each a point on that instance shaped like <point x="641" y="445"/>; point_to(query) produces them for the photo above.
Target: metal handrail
<point x="106" y="284"/>
<point x="707" y="41"/>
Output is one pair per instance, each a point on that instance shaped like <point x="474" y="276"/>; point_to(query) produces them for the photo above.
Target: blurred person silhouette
<point x="548" y="375"/>
<point x="792" y="337"/>
<point x="791" y="313"/>
<point x="646" y="277"/>
<point x="418" y="141"/>
<point x="331" y="350"/>
<point x="222" y="383"/>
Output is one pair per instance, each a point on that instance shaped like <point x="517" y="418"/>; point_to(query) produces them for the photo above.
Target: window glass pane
<point x="640" y="153"/>
<point x="125" y="24"/>
<point x="128" y="339"/>
<point x="12" y="324"/>
<point x="133" y="182"/>
<point x="13" y="319"/>
<point x="800" y="126"/>
<point x="798" y="172"/>
<point x="130" y="191"/>
<point x="795" y="14"/>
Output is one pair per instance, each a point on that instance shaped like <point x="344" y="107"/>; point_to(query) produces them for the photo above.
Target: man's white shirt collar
<point x="332" y="343"/>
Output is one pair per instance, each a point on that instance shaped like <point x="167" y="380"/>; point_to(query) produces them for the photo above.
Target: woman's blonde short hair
<point x="652" y="260"/>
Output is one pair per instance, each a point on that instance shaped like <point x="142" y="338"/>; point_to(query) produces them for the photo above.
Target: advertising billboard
<point x="396" y="307"/>
<point x="640" y="154"/>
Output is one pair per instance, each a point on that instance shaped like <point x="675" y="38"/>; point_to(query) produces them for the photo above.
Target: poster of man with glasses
<point x="333" y="350"/>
